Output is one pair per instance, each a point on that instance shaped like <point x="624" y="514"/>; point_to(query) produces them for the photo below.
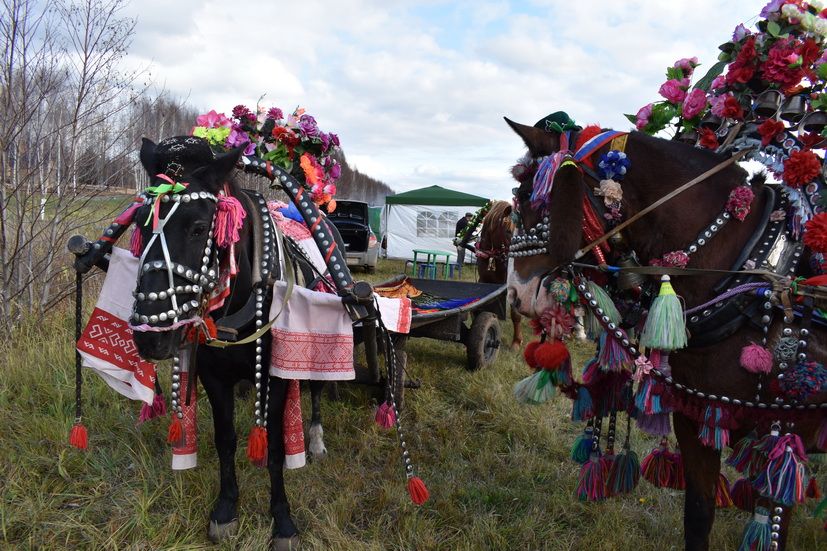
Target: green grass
<point x="498" y="472"/>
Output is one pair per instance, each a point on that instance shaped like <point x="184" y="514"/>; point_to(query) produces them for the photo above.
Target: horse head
<point x="548" y="233"/>
<point x="178" y="244"/>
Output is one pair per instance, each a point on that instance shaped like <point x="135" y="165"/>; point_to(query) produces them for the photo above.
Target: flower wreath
<point x="294" y="142"/>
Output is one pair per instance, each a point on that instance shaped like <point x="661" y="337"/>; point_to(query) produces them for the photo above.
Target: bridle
<point x="198" y="279"/>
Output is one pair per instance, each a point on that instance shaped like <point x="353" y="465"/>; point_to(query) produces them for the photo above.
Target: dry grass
<point x="499" y="473"/>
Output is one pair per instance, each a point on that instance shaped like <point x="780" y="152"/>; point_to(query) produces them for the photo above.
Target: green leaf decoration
<point x="631" y="118"/>
<point x="773" y="28"/>
<point x="821" y="70"/>
<point x="706" y="81"/>
<point x="674" y="73"/>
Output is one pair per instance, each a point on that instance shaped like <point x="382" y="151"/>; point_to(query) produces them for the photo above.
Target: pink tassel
<point x="157" y="409"/>
<point x="128" y="215"/>
<point x="783" y="479"/>
<point x="385" y="416"/>
<point x="136" y="242"/>
<point x="229" y="219"/>
<point x="756" y="359"/>
<point x="821" y="439"/>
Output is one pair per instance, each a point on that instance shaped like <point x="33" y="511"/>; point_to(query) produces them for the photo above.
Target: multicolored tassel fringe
<point x="711" y="433"/>
<point x="784" y="479"/>
<point x="723" y="498"/>
<point x="742" y="453"/>
<point x="583" y="445"/>
<point x="757" y="532"/>
<point x="591" y="483"/>
<point x="624" y="473"/>
<point x="582" y="408"/>
<point x="593" y="325"/>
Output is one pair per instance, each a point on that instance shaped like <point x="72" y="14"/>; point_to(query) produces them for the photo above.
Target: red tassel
<point x="549" y="355"/>
<point x="257" y="445"/>
<point x="678" y="482"/>
<point x="813" y="492"/>
<point x="78" y="436"/>
<point x="417" y="490"/>
<point x="743" y="495"/>
<point x="528" y="354"/>
<point x="723" y="499"/>
<point x="229" y="219"/>
<point x="176" y="431"/>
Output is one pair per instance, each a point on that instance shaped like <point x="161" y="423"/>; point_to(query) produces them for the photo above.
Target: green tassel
<point x="665" y="327"/>
<point x="604" y="302"/>
<point x="582" y="448"/>
<point x="535" y="389"/>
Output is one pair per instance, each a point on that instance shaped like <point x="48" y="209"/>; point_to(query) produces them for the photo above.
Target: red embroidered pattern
<point x="309" y="352"/>
<point x="109" y="338"/>
<point x="293" y="429"/>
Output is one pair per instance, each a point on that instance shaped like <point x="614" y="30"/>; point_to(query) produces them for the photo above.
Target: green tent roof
<point x="436" y="195"/>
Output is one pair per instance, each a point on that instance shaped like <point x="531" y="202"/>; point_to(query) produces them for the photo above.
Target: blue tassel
<point x="757" y="532"/>
<point x="582" y="409"/>
<point x="582" y="448"/>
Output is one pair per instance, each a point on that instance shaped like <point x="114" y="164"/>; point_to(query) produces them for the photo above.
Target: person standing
<point x="461" y="224"/>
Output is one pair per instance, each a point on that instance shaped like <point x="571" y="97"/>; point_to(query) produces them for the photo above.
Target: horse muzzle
<point x="155" y="346"/>
<point x="528" y="295"/>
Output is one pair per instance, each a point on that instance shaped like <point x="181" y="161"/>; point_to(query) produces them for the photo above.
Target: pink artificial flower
<point x="718" y="82"/>
<point x="694" y="104"/>
<point x="330" y="189"/>
<point x="687" y="65"/>
<point x="717" y="103"/>
<point x="213" y="120"/>
<point x="674" y="90"/>
<point x="643" y="116"/>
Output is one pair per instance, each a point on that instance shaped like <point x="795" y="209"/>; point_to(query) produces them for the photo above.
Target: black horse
<point x="182" y="258"/>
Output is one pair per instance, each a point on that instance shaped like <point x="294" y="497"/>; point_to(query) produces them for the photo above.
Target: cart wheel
<point x="483" y="341"/>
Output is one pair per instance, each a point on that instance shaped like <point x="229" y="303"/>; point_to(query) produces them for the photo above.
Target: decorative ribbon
<point x="159" y="191"/>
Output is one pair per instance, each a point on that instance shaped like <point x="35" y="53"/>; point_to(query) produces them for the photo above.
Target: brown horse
<point x="710" y="368"/>
<point x="492" y="255"/>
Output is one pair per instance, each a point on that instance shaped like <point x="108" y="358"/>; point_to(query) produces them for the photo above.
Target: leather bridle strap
<point x="620" y="227"/>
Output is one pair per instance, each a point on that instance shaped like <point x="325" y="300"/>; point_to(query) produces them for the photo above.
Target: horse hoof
<point x="220" y="532"/>
<point x="285" y="544"/>
<point x="516" y="345"/>
<point x="317" y="455"/>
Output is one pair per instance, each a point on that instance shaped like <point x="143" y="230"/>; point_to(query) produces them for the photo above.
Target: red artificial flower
<point x="732" y="108"/>
<point x="739" y="202"/>
<point x="743" y="68"/>
<point x="815" y="233"/>
<point x="769" y="129"/>
<point x="708" y="138"/>
<point x="811" y="139"/>
<point x="777" y="67"/>
<point x="800" y="168"/>
<point x="809" y="52"/>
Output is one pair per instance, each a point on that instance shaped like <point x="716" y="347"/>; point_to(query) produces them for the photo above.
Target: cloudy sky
<point x="417" y="90"/>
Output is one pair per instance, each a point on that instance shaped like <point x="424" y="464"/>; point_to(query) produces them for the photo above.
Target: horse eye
<point x="198" y="230"/>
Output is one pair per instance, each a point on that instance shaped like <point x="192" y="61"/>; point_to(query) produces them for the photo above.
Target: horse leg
<point x="316" y="434"/>
<point x="702" y="466"/>
<point x="224" y="516"/>
<point x="516" y="319"/>
<point x="285" y="535"/>
<point x="579" y="325"/>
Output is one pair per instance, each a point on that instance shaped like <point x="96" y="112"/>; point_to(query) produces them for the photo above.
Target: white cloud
<point x="417" y="90"/>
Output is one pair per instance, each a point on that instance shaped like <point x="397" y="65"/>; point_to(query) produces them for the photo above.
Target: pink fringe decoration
<point x="136" y="242"/>
<point x="228" y="220"/>
<point x="385" y="416"/>
<point x="756" y="359"/>
<point x="128" y="215"/>
<point x="157" y="409"/>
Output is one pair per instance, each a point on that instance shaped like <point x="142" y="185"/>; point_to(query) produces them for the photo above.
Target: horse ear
<point x="539" y="142"/>
<point x="215" y="174"/>
<point x="148" y="157"/>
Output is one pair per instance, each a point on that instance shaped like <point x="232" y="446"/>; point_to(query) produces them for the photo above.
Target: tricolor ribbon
<point x="159" y="191"/>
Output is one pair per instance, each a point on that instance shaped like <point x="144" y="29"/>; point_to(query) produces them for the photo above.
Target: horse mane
<point x="496" y="224"/>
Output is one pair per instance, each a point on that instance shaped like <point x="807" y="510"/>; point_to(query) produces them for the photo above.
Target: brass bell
<point x="814" y="122"/>
<point x="688" y="136"/>
<point x="767" y="103"/>
<point x="629" y="280"/>
<point x="794" y="108"/>
<point x="711" y="121"/>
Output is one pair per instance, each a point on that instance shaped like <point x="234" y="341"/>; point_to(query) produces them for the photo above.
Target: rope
<point x="78" y="329"/>
<point x="746" y="287"/>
